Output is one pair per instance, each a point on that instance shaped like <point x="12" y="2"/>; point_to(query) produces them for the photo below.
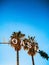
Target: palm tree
<point x="32" y="47"/>
<point x="35" y="49"/>
<point x="15" y="42"/>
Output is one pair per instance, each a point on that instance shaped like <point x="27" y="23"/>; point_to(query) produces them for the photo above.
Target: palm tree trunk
<point x="17" y="57"/>
<point x="33" y="61"/>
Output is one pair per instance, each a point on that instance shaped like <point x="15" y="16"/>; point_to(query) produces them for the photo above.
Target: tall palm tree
<point x="35" y="49"/>
<point x="16" y="42"/>
<point x="32" y="47"/>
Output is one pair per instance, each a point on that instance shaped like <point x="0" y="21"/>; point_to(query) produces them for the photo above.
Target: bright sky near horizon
<point x="30" y="17"/>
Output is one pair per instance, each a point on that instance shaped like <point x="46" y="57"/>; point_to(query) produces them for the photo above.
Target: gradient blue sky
<point x="32" y="18"/>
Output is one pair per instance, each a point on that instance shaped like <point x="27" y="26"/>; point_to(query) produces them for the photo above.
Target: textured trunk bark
<point x="33" y="61"/>
<point x="17" y="57"/>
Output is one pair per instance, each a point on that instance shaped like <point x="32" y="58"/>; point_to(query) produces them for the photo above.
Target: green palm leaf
<point x="43" y="54"/>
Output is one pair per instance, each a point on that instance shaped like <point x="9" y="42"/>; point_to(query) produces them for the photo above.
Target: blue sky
<point x="32" y="18"/>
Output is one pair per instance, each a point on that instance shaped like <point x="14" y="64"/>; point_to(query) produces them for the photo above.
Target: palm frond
<point x="14" y="33"/>
<point x="43" y="54"/>
<point x="20" y="35"/>
<point x="31" y="38"/>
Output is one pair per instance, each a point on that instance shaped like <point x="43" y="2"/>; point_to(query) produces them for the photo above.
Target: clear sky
<point x="32" y="18"/>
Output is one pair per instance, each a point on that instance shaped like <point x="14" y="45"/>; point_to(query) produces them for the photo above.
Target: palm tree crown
<point x="16" y="40"/>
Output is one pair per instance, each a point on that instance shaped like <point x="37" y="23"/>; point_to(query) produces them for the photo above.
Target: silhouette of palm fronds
<point x="43" y="54"/>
